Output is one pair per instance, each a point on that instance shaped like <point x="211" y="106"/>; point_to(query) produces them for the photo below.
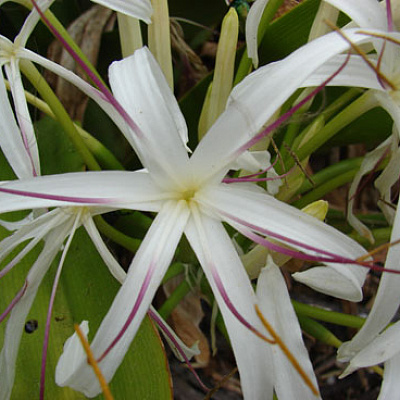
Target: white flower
<point x="189" y="198"/>
<point x="18" y="145"/>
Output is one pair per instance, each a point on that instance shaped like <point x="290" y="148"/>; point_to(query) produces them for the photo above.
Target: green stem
<point x="305" y="310"/>
<point x="340" y="102"/>
<point x="325" y="188"/>
<point x="358" y="107"/>
<point x="381" y="235"/>
<point x="174" y="299"/>
<point x="331" y="172"/>
<point x="37" y="80"/>
<point x="319" y="332"/>
<point x="115" y="235"/>
<point x="173" y="270"/>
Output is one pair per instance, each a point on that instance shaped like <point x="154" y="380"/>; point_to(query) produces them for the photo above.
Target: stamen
<point x="287" y="352"/>
<point x="233" y="309"/>
<point x="245" y="179"/>
<point x="92" y="361"/>
<point x="166" y="332"/>
<point x="361" y="53"/>
<point x="377" y="250"/>
<point x="298" y="163"/>
<point x="379" y="36"/>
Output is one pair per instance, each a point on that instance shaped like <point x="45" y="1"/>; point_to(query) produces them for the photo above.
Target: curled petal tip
<point x="331" y="282"/>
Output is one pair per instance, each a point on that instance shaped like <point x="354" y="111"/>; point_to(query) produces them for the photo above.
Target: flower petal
<point x="252" y="24"/>
<point x="386" y="303"/>
<point x="10" y="139"/>
<point x="31" y="22"/>
<point x="140" y="87"/>
<point x="356" y="73"/>
<point x="381" y="349"/>
<point x="108" y="189"/>
<point x="390" y="384"/>
<point x="262" y="213"/>
<point x="23" y="116"/>
<point x="275" y="305"/>
<point x="140" y="9"/>
<point x="215" y="252"/>
<point x="132" y="300"/>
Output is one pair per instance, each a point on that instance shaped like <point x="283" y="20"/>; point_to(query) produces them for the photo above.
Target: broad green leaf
<point x="86" y="292"/>
<point x="57" y="153"/>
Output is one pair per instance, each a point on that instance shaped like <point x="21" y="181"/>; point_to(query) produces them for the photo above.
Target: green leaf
<point x="57" y="153"/>
<point x="86" y="291"/>
<point x="288" y="33"/>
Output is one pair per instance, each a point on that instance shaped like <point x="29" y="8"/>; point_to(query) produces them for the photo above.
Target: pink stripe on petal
<point x="132" y="314"/>
<point x="45" y="196"/>
<point x="270" y="128"/>
<point x="389" y="15"/>
<point x="15" y="300"/>
<point x="282" y="238"/>
<point x="161" y="325"/>
<point x="232" y="308"/>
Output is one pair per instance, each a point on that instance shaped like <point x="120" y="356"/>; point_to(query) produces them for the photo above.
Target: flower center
<point x="188" y="195"/>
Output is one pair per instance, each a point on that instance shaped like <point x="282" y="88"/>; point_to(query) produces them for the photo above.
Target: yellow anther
<point x="287" y="352"/>
<point x="93" y="363"/>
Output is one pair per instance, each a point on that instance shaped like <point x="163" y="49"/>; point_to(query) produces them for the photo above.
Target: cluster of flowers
<point x="191" y="196"/>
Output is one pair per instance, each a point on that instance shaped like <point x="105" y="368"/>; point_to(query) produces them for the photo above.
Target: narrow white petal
<point x="140" y="9"/>
<point x="276" y="307"/>
<point x="35" y="229"/>
<point x="17" y="318"/>
<point x="370" y="161"/>
<point x="82" y="85"/>
<point x="10" y="138"/>
<point x="252" y="23"/>
<point x="215" y="250"/>
<point x="136" y="293"/>
<point x="260" y="212"/>
<point x="140" y="86"/>
<point x="31" y="22"/>
<point x="386" y="303"/>
<point x="381" y="349"/>
<point x="390" y="105"/>
<point x="356" y="73"/>
<point x="108" y="189"/>
<point x="14" y="225"/>
<point x="114" y="267"/>
<point x="366" y="13"/>
<point x="390" y="385"/>
<point x="23" y="116"/>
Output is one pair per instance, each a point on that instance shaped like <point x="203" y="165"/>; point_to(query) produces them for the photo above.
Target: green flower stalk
<point x="160" y="39"/>
<point x="221" y="87"/>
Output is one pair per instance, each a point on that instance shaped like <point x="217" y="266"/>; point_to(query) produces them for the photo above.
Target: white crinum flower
<point x="190" y="198"/>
